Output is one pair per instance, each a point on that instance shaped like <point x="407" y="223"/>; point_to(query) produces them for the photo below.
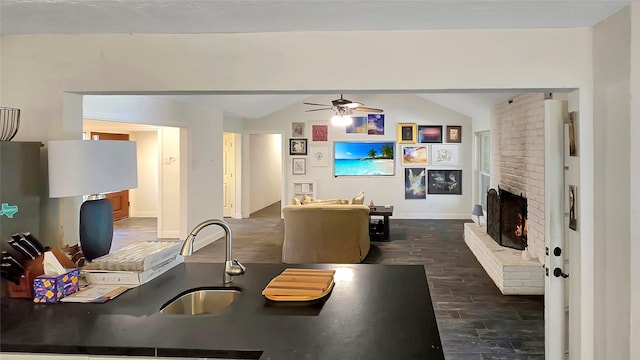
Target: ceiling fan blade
<point x="318" y="109"/>
<point x="306" y="103"/>
<point x="368" y="109"/>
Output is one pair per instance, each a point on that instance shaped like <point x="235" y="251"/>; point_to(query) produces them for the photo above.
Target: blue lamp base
<point x="96" y="228"/>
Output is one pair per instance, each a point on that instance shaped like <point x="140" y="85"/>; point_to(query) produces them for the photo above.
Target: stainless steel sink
<point x="201" y="301"/>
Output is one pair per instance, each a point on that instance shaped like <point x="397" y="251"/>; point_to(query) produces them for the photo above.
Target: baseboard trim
<point x="203" y="241"/>
<point x="143" y="214"/>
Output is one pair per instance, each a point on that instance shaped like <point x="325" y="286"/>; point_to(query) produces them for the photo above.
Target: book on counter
<point x="117" y="277"/>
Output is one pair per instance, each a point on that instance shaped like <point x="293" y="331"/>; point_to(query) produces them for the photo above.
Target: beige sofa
<point x="325" y="233"/>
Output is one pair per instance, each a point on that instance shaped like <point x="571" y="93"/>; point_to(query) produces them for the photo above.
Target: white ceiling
<point x="241" y="16"/>
<point x="224" y="16"/>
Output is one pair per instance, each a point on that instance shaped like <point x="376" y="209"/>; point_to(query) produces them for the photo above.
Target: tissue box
<point x="51" y="288"/>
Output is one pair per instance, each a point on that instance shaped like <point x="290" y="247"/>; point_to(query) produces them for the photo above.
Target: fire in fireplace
<point x="507" y="218"/>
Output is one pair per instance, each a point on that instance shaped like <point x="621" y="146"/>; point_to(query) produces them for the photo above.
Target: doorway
<point x="119" y="199"/>
<point x="153" y="207"/>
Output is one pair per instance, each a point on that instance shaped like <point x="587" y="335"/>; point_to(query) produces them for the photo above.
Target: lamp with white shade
<point x="92" y="168"/>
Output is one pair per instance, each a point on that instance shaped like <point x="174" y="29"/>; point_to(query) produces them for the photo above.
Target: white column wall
<point x="144" y="199"/>
<point x="612" y="145"/>
<point x="634" y="168"/>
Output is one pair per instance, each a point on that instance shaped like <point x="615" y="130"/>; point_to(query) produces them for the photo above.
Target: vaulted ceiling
<point x="223" y="16"/>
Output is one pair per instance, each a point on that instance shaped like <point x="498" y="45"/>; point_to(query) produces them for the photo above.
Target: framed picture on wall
<point x="407" y="133"/>
<point x="454" y="134"/>
<point x="573" y="151"/>
<point x="430" y="133"/>
<point x="414" y="183"/>
<point x="319" y="155"/>
<point x="298" y="166"/>
<point x="297" y="146"/>
<point x="445" y="182"/>
<point x="319" y="132"/>
<point x="375" y="124"/>
<point x="415" y="155"/>
<point x="359" y="125"/>
<point x="573" y="200"/>
<point x="297" y="129"/>
<point x="444" y="154"/>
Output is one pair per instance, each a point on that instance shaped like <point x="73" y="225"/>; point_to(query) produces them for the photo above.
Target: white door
<point x="556" y="296"/>
<point x="228" y="183"/>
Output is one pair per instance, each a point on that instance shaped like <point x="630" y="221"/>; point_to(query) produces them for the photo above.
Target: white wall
<point x="201" y="186"/>
<point x="265" y="170"/>
<point x="144" y="199"/>
<point x="398" y="108"/>
<point x="612" y="140"/>
<point x="170" y="160"/>
<point x="634" y="168"/>
<point x="40" y="72"/>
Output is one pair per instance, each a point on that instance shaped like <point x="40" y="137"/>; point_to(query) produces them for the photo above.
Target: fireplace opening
<point x="507" y="218"/>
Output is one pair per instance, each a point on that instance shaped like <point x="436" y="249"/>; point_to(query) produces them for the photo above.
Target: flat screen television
<point x="364" y="158"/>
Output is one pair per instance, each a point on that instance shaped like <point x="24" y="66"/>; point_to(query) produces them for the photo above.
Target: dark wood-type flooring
<point x="476" y="322"/>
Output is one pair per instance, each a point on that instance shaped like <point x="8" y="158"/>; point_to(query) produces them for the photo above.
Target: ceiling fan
<point x="343" y="107"/>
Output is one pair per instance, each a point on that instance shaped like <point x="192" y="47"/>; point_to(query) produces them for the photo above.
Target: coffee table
<point x="375" y="232"/>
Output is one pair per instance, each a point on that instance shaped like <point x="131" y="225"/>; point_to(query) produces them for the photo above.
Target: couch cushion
<point x="358" y="199"/>
<point x="295" y="201"/>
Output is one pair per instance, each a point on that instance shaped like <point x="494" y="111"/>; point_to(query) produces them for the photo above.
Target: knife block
<point x="33" y="269"/>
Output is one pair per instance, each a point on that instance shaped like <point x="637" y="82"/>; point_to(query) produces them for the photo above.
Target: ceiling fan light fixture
<point x="341" y="120"/>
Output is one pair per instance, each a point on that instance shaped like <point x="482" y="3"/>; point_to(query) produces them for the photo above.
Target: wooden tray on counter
<point x="300" y="285"/>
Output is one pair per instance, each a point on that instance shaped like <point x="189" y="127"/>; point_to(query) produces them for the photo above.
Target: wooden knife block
<point x="33" y="269"/>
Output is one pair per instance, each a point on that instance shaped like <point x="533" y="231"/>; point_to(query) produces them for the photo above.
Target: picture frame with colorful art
<point x="444" y="182"/>
<point x="430" y="134"/>
<point x="297" y="146"/>
<point x="319" y="132"/>
<point x="407" y="133"/>
<point x="413" y="155"/>
<point x="454" y="134"/>
<point x="298" y="166"/>
<point x="414" y="183"/>
<point x="375" y="124"/>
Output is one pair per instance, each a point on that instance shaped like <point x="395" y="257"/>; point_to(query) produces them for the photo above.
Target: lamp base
<point x="96" y="228"/>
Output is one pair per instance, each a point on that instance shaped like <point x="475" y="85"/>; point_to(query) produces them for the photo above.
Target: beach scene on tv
<point x="363" y="158"/>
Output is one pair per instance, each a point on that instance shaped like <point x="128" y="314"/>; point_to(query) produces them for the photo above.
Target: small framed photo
<point x="415" y="155"/>
<point x="319" y="155"/>
<point x="319" y="132"/>
<point x="407" y="133"/>
<point x="573" y="200"/>
<point x="454" y="134"/>
<point x="298" y="166"/>
<point x="430" y="133"/>
<point x="444" y="154"/>
<point x="445" y="182"/>
<point x="297" y="129"/>
<point x="375" y="124"/>
<point x="297" y="146"/>
<point x="573" y="151"/>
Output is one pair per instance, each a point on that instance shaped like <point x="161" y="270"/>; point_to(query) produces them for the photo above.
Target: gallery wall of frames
<point x="426" y="155"/>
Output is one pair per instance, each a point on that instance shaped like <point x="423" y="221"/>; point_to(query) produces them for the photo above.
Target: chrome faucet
<point x="232" y="267"/>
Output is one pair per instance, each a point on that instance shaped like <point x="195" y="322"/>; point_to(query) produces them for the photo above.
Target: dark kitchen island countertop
<point x="373" y="312"/>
